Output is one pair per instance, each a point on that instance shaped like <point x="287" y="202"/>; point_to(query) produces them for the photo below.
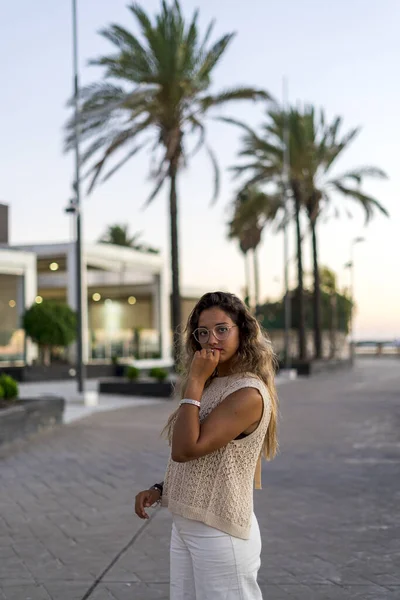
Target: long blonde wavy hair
<point x="254" y="355"/>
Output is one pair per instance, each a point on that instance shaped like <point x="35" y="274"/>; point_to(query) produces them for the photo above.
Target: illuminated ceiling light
<point x="96" y="297"/>
<point x="38" y="299"/>
<point x="108" y="301"/>
<point x="132" y="300"/>
<point x="53" y="266"/>
<point x="12" y="304"/>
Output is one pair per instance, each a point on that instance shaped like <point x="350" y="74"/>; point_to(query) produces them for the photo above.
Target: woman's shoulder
<point x="243" y="380"/>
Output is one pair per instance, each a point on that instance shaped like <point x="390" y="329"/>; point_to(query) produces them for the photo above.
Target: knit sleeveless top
<point x="217" y="489"/>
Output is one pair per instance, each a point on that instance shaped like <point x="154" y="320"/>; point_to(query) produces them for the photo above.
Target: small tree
<point x="50" y="325"/>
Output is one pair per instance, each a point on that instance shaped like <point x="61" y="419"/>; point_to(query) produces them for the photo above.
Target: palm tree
<point x="155" y="93"/>
<point x="314" y="147"/>
<point x="119" y="236"/>
<point x="265" y="154"/>
<point x="252" y="210"/>
<point x="324" y="144"/>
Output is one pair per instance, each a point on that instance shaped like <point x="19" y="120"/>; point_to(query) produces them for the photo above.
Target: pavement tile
<point x="68" y="590"/>
<point x="28" y="592"/>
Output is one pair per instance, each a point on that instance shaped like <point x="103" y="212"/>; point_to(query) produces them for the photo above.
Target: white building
<point x="126" y="298"/>
<point x="18" y="285"/>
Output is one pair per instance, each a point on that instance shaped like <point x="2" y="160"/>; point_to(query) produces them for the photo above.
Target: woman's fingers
<point x="145" y="500"/>
<point x="140" y="502"/>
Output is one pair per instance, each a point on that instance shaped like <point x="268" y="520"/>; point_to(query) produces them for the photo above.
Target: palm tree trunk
<point x="176" y="293"/>
<point x="316" y="296"/>
<point x="256" y="278"/>
<point x="334" y="324"/>
<point x="300" y="286"/>
<point x="247" y="279"/>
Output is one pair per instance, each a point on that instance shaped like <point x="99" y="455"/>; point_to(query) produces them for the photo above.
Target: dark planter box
<point x="27" y="417"/>
<point x="56" y="372"/>
<point x="15" y="372"/>
<point x="159" y="389"/>
<point x="119" y="370"/>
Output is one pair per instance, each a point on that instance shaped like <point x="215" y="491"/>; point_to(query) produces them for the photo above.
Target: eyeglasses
<point x="220" y="332"/>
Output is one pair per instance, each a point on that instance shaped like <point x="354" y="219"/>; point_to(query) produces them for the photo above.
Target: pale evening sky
<point x="342" y="55"/>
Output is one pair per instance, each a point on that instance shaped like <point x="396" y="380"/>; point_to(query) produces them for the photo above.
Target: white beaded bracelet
<point x="188" y="401"/>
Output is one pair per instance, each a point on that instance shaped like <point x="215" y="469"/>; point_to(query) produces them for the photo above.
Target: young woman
<point x="225" y="422"/>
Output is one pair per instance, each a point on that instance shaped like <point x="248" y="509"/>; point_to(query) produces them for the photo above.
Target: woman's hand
<point x="204" y="364"/>
<point x="144" y="500"/>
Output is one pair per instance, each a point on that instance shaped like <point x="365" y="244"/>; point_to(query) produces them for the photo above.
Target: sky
<point x="342" y="55"/>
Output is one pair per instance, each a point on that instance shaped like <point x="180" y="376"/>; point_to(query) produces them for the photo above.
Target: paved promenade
<point x="329" y="511"/>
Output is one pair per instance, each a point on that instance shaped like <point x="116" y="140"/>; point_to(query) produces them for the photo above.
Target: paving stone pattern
<point x="328" y="513"/>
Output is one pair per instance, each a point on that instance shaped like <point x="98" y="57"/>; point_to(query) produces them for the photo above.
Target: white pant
<point x="208" y="564"/>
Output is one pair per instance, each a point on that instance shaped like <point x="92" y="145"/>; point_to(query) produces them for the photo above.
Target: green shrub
<point x="158" y="373"/>
<point x="132" y="373"/>
<point x="1" y="392"/>
<point x="9" y="387"/>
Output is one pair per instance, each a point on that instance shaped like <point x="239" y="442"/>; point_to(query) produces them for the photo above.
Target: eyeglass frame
<point x="229" y="327"/>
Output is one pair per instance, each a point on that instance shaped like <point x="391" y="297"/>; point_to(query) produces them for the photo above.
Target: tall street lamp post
<point x="76" y="203"/>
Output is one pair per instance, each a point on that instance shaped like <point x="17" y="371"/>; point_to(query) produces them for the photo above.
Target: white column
<point x="71" y="277"/>
<point x="156" y="309"/>
<point x="71" y="299"/>
<point x="26" y="295"/>
<point x="71" y="292"/>
<point x="162" y="314"/>
<point x="85" y="316"/>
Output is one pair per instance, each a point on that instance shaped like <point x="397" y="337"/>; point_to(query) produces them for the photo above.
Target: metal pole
<point x="80" y="367"/>
<point x="285" y="178"/>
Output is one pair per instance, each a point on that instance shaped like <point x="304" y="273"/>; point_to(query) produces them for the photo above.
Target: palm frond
<point x="232" y="121"/>
<point x="337" y="149"/>
<point x="157" y="188"/>
<point x="368" y="203"/>
<point x="358" y="175"/>
<point x="142" y="18"/>
<point x="206" y="38"/>
<point x="120" y="140"/>
<point x="215" y="167"/>
<point x="202" y="135"/>
<point x="122" y="162"/>
<point x="97" y="145"/>
<point x="239" y="93"/>
<point x="212" y="56"/>
<point x="132" y="54"/>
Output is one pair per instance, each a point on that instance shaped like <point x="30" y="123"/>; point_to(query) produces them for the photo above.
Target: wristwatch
<point x="158" y="487"/>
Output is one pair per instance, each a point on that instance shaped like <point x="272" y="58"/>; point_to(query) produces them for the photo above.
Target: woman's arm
<point x="236" y="413"/>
